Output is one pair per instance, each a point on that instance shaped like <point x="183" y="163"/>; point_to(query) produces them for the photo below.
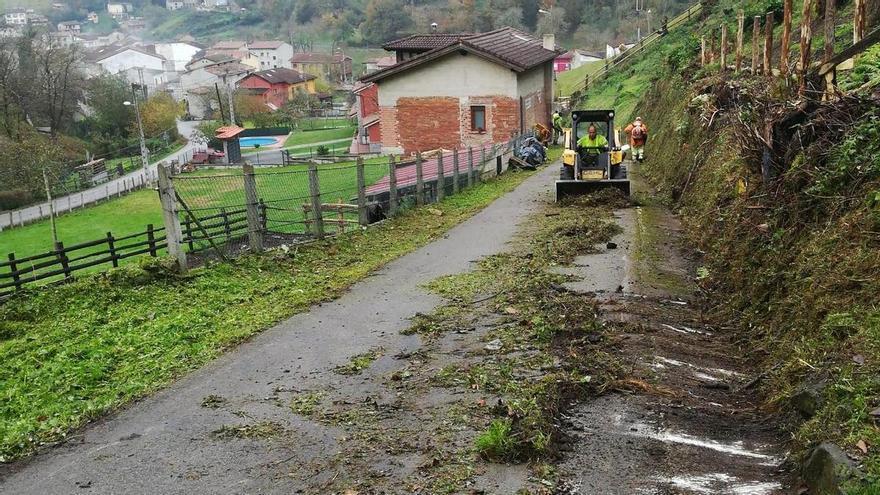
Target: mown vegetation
<point x="73" y="352"/>
<point x="791" y="247"/>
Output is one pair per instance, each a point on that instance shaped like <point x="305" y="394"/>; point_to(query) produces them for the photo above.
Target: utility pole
<point x="229" y="94"/>
<point x="145" y="152"/>
<point x="51" y="206"/>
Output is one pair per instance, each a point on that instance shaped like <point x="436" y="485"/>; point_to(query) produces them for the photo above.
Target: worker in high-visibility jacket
<point x="638" y="137"/>
<point x="557" y="127"/>
<point x="593" y="143"/>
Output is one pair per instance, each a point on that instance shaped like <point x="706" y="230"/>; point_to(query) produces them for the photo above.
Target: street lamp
<point x="145" y="153"/>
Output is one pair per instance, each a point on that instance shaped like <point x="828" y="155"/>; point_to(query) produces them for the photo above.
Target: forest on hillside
<point x="577" y="23"/>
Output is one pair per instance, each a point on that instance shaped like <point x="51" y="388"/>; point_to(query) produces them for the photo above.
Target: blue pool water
<point x="252" y="142"/>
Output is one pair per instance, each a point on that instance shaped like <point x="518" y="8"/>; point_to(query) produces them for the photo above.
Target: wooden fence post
<point x="455" y="185"/>
<point x="702" y="51"/>
<point x="806" y="45"/>
<point x="470" y="177"/>
<point x="62" y="257"/>
<point x="170" y="217"/>
<point x="420" y="181"/>
<point x="859" y="14"/>
<point x="13" y="269"/>
<point x="392" y="186"/>
<point x="785" y="43"/>
<point x="830" y="17"/>
<point x="441" y="178"/>
<point x="740" y="32"/>
<point x="315" y="192"/>
<point x="712" y="39"/>
<point x="768" y="45"/>
<point x="361" y="192"/>
<point x="111" y="247"/>
<point x="482" y="163"/>
<point x="723" y="47"/>
<point x="756" y="33"/>
<point x="252" y="211"/>
<point x="151" y="240"/>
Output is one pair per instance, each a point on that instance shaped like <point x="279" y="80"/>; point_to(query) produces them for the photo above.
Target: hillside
<point x="789" y="233"/>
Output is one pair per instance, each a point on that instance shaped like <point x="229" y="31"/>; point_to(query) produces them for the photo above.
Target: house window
<point x="478" y="118"/>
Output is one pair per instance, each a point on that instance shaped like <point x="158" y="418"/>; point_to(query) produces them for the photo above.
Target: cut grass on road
<point x="74" y="352"/>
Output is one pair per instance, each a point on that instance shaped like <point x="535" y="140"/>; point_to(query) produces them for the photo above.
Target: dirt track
<point x="291" y="411"/>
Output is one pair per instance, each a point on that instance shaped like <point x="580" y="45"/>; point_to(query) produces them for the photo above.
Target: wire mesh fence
<point x="309" y="200"/>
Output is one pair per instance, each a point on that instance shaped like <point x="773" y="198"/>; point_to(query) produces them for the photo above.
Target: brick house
<point x="277" y="86"/>
<point x="458" y="90"/>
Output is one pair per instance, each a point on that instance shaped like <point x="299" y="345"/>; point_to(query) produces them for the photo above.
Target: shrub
<point x="10" y="200"/>
<point x="322" y="150"/>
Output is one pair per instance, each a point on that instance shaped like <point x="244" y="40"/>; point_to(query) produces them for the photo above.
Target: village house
<point x="178" y="53"/>
<point x="374" y="64"/>
<point x="271" y="54"/>
<point x="119" y="10"/>
<point x="457" y="90"/>
<point x="197" y="85"/>
<point x="15" y="17"/>
<point x="278" y="86"/>
<point x="70" y="26"/>
<point x="333" y="67"/>
<point x="93" y="17"/>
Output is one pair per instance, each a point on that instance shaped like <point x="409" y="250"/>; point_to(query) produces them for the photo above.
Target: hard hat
<point x="638" y="119"/>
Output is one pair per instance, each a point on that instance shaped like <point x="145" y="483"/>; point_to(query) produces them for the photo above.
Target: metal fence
<point x="221" y="212"/>
<point x="265" y="205"/>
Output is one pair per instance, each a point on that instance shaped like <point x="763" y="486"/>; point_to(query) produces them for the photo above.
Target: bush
<point x="322" y="150"/>
<point x="10" y="200"/>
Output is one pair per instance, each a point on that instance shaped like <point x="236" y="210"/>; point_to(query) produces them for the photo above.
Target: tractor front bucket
<point x="572" y="188"/>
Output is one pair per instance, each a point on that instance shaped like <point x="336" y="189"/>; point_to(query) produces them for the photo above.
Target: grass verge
<point x="74" y="352"/>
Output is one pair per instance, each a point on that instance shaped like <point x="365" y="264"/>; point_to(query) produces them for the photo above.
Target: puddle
<point x="732" y="448"/>
<point x="687" y="330"/>
<point x="698" y="369"/>
<point x="720" y="483"/>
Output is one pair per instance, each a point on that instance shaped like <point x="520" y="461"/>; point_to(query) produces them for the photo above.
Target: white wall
<point x="131" y="59"/>
<point x="282" y="56"/>
<point x="179" y="54"/>
<point x="454" y="75"/>
<point x="530" y="81"/>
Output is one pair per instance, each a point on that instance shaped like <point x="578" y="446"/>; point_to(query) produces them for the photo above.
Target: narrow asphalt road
<point x="100" y="192"/>
<point x="168" y="443"/>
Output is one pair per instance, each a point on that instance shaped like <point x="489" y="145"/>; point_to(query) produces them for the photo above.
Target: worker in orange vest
<point x="638" y="136"/>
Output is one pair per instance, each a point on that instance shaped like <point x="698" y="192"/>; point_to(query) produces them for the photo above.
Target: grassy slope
<point x="106" y="340"/>
<point x="568" y="81"/>
<point x="804" y="293"/>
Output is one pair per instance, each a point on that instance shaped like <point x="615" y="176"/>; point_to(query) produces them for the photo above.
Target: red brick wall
<point x="427" y="123"/>
<point x="534" y="109"/>
<point x="369" y="99"/>
<point x="420" y="124"/>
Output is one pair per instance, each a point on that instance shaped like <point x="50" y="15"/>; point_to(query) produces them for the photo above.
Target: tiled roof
<point x="277" y="76"/>
<point x="423" y="42"/>
<point x="228" y="68"/>
<point x="228" y="132"/>
<point x="506" y="46"/>
<point x="318" y="58"/>
<point x="265" y="45"/>
<point x="228" y="45"/>
<point x="108" y="51"/>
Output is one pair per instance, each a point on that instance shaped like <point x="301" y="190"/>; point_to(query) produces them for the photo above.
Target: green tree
<point x="159" y="115"/>
<point x="385" y="20"/>
<point x="106" y="96"/>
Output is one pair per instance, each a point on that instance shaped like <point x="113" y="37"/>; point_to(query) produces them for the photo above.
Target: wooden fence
<point x="61" y="262"/>
<point x="185" y="231"/>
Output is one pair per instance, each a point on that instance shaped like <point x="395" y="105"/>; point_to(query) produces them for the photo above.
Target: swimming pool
<point x="252" y="142"/>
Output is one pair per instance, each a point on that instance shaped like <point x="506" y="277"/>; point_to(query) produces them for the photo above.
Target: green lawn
<point x="74" y="352"/>
<point x="569" y="81"/>
<point x="308" y="137"/>
<point x="285" y="189"/>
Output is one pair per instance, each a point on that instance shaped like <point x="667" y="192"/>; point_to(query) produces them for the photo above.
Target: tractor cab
<point x="595" y="162"/>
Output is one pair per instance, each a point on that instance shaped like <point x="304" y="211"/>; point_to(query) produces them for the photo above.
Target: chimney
<point x="549" y="41"/>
